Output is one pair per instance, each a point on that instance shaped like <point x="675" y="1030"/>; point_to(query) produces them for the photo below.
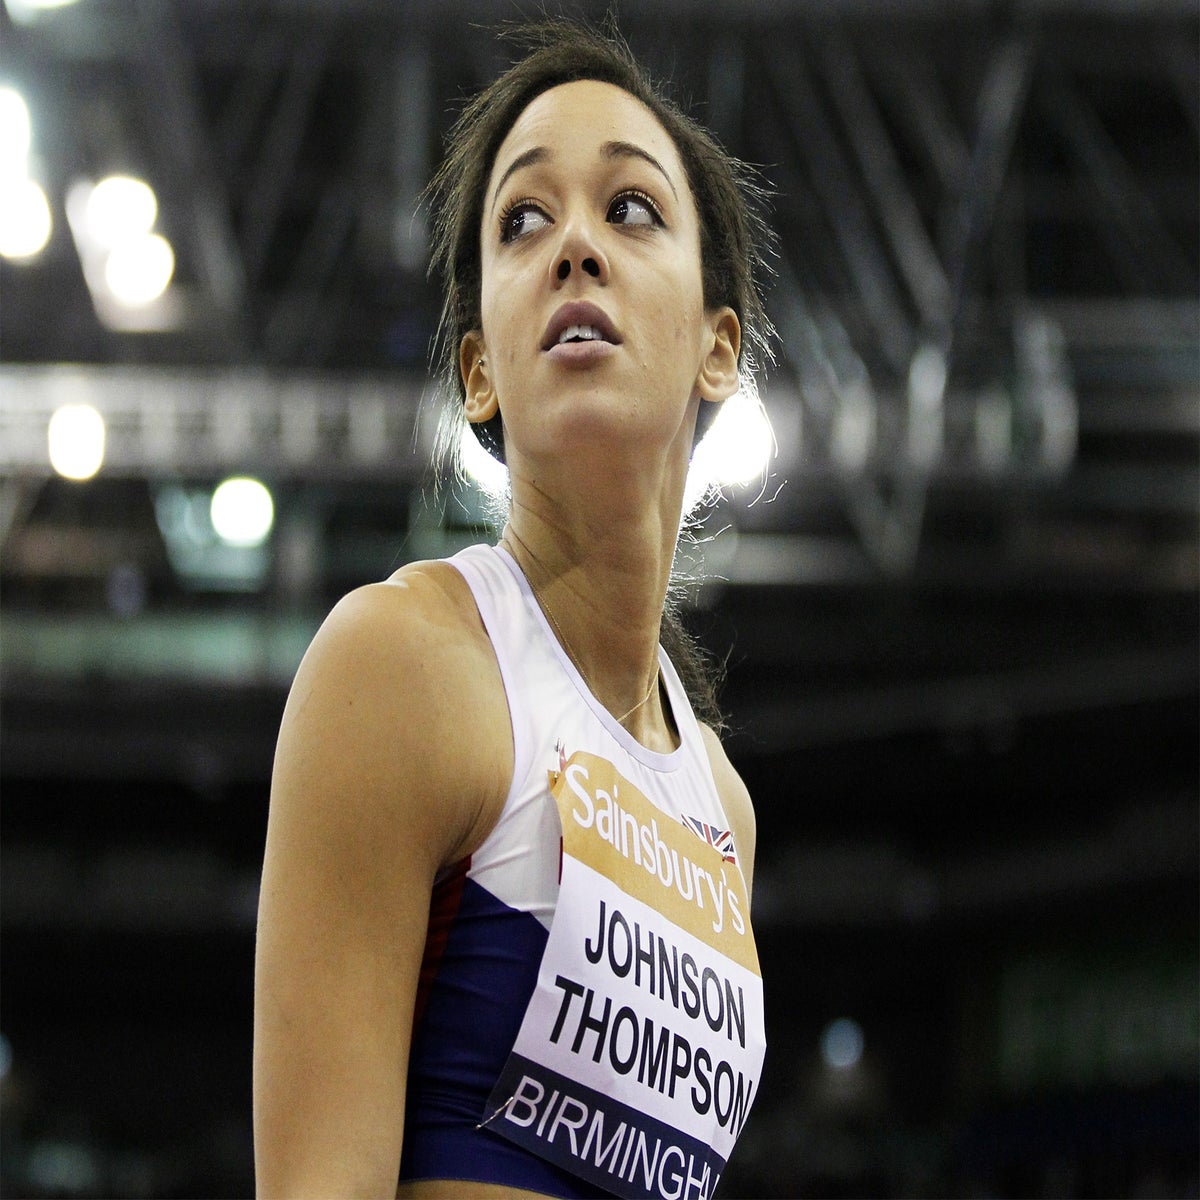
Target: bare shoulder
<point x="424" y="608"/>
<point x="400" y="684"/>
<point x="735" y="800"/>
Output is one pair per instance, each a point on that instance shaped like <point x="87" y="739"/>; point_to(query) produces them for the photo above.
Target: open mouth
<point x="579" y="323"/>
<point x="580" y="333"/>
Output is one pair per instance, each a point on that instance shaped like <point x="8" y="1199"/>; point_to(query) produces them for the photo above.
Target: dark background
<point x="962" y="681"/>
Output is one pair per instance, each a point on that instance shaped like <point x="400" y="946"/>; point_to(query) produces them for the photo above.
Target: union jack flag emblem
<point x="721" y="840"/>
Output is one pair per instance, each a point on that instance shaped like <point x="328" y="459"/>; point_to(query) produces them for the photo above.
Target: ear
<point x="718" y="377"/>
<point x="481" y="403"/>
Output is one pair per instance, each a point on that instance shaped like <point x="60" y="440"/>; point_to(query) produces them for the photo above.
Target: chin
<point x="615" y="423"/>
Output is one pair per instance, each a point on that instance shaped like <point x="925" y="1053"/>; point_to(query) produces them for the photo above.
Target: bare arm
<point x="377" y="783"/>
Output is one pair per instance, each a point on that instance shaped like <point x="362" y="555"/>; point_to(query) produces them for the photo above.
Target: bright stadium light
<point x="25" y="220"/>
<point x="139" y="269"/>
<point x="75" y="438"/>
<point x="489" y="474"/>
<point x="16" y="132"/>
<point x="25" y="11"/>
<point x="242" y="511"/>
<point x="120" y="208"/>
<point x="737" y="450"/>
<point x="128" y="267"/>
<point x="741" y="441"/>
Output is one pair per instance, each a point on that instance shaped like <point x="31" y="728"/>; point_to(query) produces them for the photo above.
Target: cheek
<point x="684" y="297"/>
<point x="507" y="327"/>
<point x="497" y="320"/>
<point x="688" y="331"/>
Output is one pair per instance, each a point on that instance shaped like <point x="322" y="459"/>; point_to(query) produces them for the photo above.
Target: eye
<point x="634" y="208"/>
<point x="520" y="218"/>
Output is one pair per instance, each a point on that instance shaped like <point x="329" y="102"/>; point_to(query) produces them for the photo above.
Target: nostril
<point x="591" y="266"/>
<point x="564" y="268"/>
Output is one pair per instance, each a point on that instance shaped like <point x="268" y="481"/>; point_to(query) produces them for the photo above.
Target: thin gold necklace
<point x="565" y="641"/>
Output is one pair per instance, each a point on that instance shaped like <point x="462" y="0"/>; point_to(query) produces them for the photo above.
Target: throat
<point x="617" y="660"/>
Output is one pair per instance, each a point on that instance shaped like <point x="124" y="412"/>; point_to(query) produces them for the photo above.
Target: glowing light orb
<point x="119" y="208"/>
<point x="16" y="132"/>
<point x="242" y="511"/>
<point x="139" y="269"/>
<point x="842" y="1044"/>
<point x="75" y="439"/>
<point x="490" y="475"/>
<point x="25" y="221"/>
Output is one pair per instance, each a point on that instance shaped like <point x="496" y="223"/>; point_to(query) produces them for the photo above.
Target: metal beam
<point x="832" y="180"/>
<point x="1144" y="248"/>
<point x="1001" y="102"/>
<point x="273" y="176"/>
<point x="191" y="423"/>
<point x="911" y="245"/>
<point x="169" y="95"/>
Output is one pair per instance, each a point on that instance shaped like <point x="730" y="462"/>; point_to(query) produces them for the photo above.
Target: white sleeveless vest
<point x="590" y="973"/>
<point x="553" y="711"/>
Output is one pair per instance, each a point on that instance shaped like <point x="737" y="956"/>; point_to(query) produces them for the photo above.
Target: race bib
<point x="642" y="1047"/>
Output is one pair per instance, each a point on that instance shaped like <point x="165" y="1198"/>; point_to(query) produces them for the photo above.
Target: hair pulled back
<point x="733" y="235"/>
<point x="728" y="201"/>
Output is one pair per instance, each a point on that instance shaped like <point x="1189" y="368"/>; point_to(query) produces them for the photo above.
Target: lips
<point x="594" y="325"/>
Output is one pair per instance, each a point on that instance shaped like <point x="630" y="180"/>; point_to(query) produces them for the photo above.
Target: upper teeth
<point x="588" y="333"/>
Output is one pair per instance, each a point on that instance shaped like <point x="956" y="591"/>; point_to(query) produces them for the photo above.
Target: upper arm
<point x="735" y="800"/>
<point x="371" y="793"/>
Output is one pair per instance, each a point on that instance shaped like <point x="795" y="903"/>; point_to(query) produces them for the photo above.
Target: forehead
<point x="580" y="117"/>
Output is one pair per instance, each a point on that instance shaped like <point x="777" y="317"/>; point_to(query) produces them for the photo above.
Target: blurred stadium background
<point x="961" y="617"/>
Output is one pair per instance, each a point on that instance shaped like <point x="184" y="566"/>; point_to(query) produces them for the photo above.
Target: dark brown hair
<point x="733" y="233"/>
<point x="728" y="200"/>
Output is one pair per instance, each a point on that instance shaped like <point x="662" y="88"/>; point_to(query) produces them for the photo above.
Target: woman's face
<point x="594" y="328"/>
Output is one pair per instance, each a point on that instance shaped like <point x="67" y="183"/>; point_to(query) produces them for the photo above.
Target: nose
<point x="578" y="252"/>
<point x="589" y="266"/>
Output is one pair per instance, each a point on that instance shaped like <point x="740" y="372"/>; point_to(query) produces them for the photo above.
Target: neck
<point x="600" y="573"/>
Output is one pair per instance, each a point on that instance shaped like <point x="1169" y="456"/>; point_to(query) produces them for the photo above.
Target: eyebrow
<point x="528" y="159"/>
<point x="629" y="150"/>
<point x="610" y="150"/>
